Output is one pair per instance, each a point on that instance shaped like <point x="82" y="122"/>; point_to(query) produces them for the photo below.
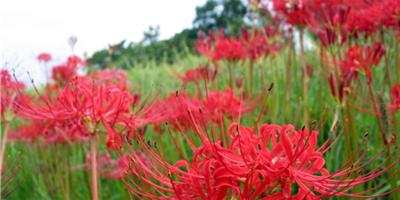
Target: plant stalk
<point x="93" y="156"/>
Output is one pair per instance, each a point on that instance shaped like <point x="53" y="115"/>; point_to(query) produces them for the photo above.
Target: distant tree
<point x="221" y="14"/>
<point x="207" y="16"/>
<point x="151" y="35"/>
<point x="213" y="15"/>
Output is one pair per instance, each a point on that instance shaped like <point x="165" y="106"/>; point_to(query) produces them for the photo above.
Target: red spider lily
<point x="175" y="110"/>
<point x="239" y="82"/>
<point x="202" y="73"/>
<point x="219" y="104"/>
<point x="108" y="167"/>
<point x="334" y="16"/>
<point x="204" y="45"/>
<point x="8" y="88"/>
<point x="85" y="104"/>
<point x="353" y="16"/>
<point x="75" y="61"/>
<point x="357" y="59"/>
<point x="44" y="57"/>
<point x="264" y="165"/>
<point x="297" y="12"/>
<point x="229" y="49"/>
<point x="178" y="109"/>
<point x="114" y="76"/>
<point x="255" y="44"/>
<point x="339" y="87"/>
<point x="361" y="58"/>
<point x="272" y="30"/>
<point x="395" y="95"/>
<point x="326" y="36"/>
<point x="218" y="47"/>
<point x="49" y="132"/>
<point x="64" y="72"/>
<point x="120" y="168"/>
<point x="113" y="168"/>
<point x="329" y="21"/>
<point x="136" y="99"/>
<point x="251" y="46"/>
<point x="28" y="133"/>
<point x="365" y="20"/>
<point x="372" y="16"/>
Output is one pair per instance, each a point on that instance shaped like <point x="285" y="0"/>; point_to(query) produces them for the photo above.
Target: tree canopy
<point x="212" y="16"/>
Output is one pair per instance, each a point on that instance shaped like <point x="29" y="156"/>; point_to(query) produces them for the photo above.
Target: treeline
<point x="214" y="15"/>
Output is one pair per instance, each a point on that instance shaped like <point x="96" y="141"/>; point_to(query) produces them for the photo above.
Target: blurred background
<point x="119" y="33"/>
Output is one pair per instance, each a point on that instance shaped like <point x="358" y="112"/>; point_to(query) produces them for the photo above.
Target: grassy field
<point x="55" y="171"/>
<point x="259" y="115"/>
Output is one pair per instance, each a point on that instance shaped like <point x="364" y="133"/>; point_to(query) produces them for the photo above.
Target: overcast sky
<point x="28" y="27"/>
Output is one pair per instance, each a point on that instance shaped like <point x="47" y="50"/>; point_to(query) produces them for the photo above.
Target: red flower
<point x="114" y="140"/>
<point x="266" y="164"/>
<point x="296" y="12"/>
<point x="357" y="59"/>
<point x="328" y="21"/>
<point x="179" y="110"/>
<point x="372" y="16"/>
<point x="361" y="58"/>
<point x="83" y="104"/>
<point x="255" y="44"/>
<point x="204" y="45"/>
<point x="114" y="76"/>
<point x="218" y="47"/>
<point x="219" y="104"/>
<point x="75" y="61"/>
<point x="350" y="16"/>
<point x="108" y="167"/>
<point x="63" y="73"/>
<point x="44" y="57"/>
<point x="176" y="110"/>
<point x="50" y="132"/>
<point x="395" y="95"/>
<point x="28" y="133"/>
<point x="198" y="74"/>
<point x="229" y="49"/>
<point x="9" y="89"/>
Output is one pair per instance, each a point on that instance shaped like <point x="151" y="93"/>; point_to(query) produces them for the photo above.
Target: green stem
<point x="378" y="113"/>
<point x="251" y="74"/>
<point x="2" y="152"/>
<point x="93" y="155"/>
<point x="305" y="77"/>
<point x="387" y="67"/>
<point x="350" y="138"/>
<point x="230" y="69"/>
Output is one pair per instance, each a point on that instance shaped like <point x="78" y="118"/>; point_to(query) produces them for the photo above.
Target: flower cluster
<point x="212" y="141"/>
<point x="267" y="164"/>
<point x="198" y="74"/>
<point x="65" y="71"/>
<point x="179" y="109"/>
<point x="358" y="59"/>
<point x="250" y="46"/>
<point x="349" y="16"/>
<point x="9" y="89"/>
<point x="75" y="108"/>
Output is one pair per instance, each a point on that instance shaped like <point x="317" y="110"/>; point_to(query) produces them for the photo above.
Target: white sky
<point x="28" y="27"/>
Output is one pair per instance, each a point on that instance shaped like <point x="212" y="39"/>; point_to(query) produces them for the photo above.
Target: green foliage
<point x="221" y="14"/>
<point x="125" y="56"/>
<point x="214" y="15"/>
